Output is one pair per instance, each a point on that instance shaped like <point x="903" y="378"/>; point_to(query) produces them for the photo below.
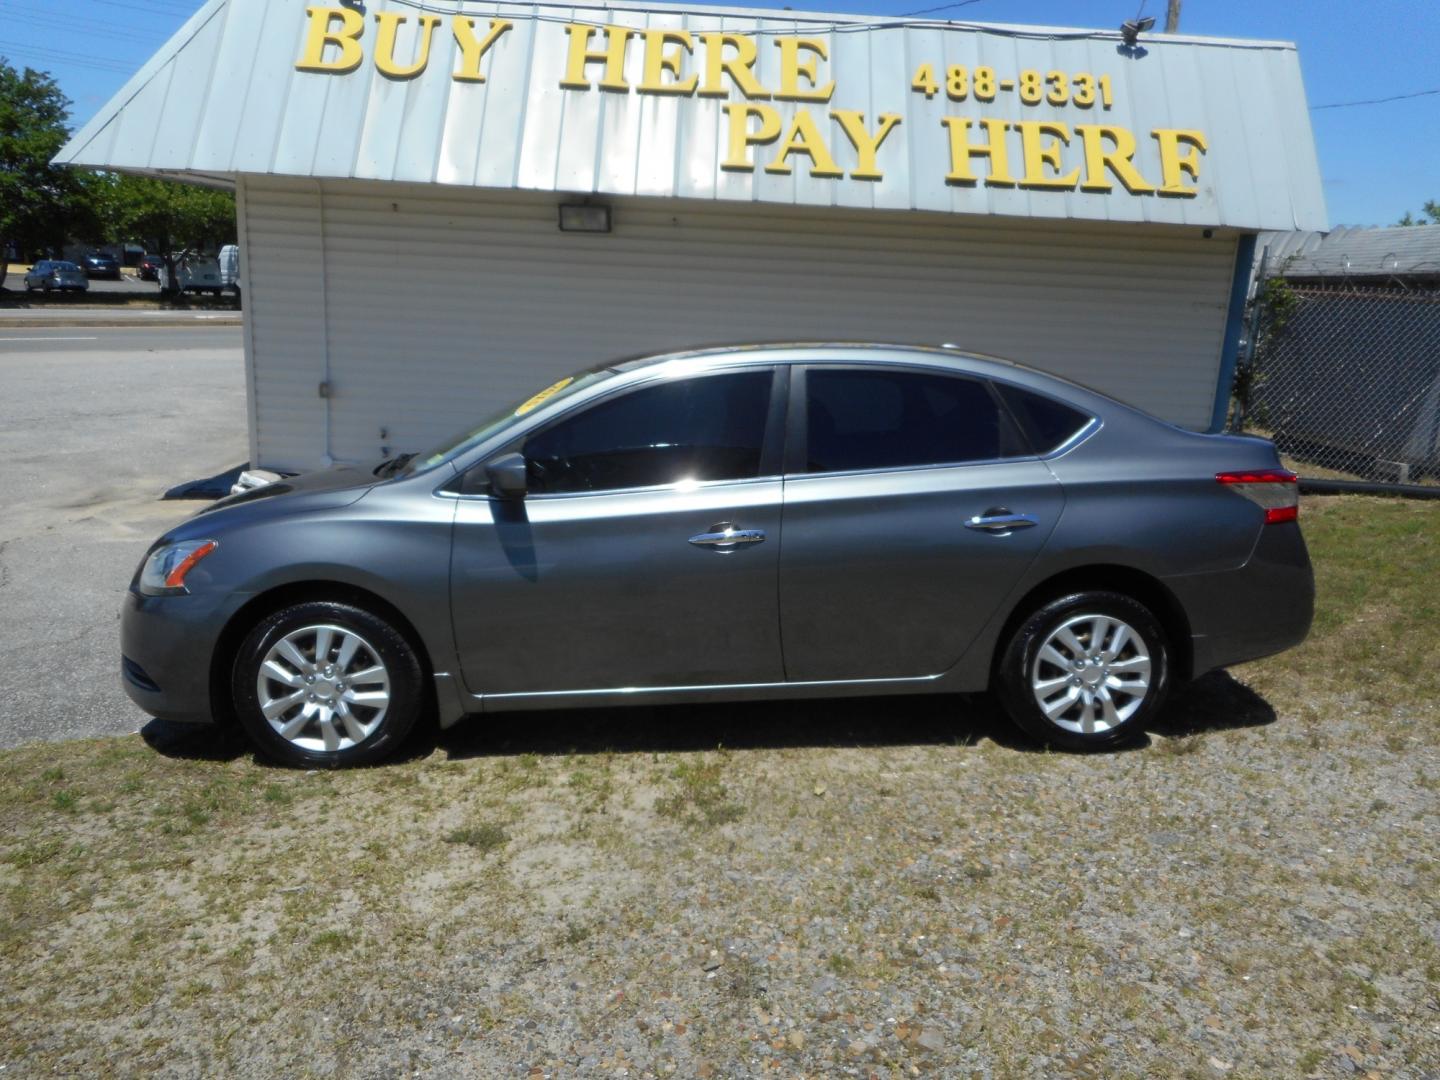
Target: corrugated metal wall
<point x="437" y="306"/>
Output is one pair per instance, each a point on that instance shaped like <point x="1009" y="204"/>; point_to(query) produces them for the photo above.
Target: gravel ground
<point x="867" y="888"/>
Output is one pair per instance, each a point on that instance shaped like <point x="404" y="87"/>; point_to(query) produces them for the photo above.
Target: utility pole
<point x="1172" y="17"/>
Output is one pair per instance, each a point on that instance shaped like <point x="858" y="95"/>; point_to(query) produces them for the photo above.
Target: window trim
<point x="798" y="444"/>
<point x="771" y="445"/>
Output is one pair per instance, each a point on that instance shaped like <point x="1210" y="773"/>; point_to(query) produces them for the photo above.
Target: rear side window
<point x="1047" y="423"/>
<point x="879" y="419"/>
<point x="710" y="427"/>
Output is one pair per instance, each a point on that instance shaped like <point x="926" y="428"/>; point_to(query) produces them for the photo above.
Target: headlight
<point x="164" y="571"/>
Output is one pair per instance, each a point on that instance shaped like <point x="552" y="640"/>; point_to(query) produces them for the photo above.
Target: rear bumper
<point x="166" y="644"/>
<point x="1263" y="608"/>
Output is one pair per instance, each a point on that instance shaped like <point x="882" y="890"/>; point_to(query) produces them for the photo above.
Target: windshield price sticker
<point x="543" y="396"/>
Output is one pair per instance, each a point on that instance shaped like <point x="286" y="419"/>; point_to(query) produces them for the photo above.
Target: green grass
<point x="486" y="836"/>
<point x="1377" y="614"/>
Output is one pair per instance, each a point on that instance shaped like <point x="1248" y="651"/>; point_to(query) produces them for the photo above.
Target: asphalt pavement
<point x="95" y="424"/>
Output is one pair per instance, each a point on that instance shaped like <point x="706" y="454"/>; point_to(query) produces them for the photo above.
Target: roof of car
<point x="705" y="352"/>
<point x="765" y="352"/>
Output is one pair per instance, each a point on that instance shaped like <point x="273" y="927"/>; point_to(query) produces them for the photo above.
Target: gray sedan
<point x="768" y="522"/>
<point x="56" y="275"/>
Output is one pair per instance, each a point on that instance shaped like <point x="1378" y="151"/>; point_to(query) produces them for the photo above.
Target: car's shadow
<point x="1215" y="702"/>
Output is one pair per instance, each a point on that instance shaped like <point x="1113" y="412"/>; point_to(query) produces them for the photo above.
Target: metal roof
<point x="225" y="96"/>
<point x="1350" y="252"/>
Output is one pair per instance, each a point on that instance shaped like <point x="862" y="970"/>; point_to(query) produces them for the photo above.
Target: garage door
<point x="386" y="316"/>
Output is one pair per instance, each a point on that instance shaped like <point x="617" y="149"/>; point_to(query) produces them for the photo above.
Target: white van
<point x="193" y="273"/>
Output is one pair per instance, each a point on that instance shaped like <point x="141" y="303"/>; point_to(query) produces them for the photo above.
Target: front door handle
<point x="725" y="538"/>
<point x="998" y="521"/>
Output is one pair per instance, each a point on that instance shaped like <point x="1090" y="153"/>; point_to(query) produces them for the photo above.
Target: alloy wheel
<point x="323" y="688"/>
<point x="1091" y="674"/>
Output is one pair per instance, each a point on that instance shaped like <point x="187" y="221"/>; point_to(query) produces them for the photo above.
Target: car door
<point x="912" y="507"/>
<point x="645" y="552"/>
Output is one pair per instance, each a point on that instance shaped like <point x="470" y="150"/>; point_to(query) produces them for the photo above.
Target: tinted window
<point x="891" y="419"/>
<point x="1047" y="422"/>
<point x="705" y="428"/>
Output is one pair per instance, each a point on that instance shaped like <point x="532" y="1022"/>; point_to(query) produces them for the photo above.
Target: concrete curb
<point x="113" y="322"/>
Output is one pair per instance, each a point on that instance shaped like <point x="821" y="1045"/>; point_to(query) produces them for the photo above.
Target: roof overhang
<point x="727" y="104"/>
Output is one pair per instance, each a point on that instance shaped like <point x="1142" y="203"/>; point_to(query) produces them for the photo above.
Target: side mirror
<point x="507" y="476"/>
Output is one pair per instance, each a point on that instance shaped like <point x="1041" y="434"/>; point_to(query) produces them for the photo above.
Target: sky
<point x="1378" y="161"/>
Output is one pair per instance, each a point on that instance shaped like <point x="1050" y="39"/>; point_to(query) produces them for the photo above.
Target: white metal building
<point x="1052" y="196"/>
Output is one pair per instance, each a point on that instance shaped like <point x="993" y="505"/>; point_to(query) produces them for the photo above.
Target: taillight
<point x="1277" y="491"/>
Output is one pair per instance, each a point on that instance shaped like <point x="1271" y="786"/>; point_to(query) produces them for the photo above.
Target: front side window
<point x="711" y="427"/>
<point x="889" y="419"/>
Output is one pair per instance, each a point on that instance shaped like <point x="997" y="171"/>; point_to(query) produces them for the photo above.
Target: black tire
<point x="403" y="668"/>
<point x="1018" y="665"/>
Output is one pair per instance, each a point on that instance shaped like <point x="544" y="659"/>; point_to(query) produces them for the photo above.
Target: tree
<point x="1430" y="215"/>
<point x="41" y="205"/>
<point x="165" y="216"/>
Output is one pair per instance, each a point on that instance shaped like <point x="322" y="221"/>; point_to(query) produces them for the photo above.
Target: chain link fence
<point x="1345" y="379"/>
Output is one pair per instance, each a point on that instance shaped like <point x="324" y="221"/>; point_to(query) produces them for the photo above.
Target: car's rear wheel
<point x="1085" y="671"/>
<point x="323" y="684"/>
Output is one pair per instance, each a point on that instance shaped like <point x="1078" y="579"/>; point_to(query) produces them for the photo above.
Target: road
<point x="94" y="425"/>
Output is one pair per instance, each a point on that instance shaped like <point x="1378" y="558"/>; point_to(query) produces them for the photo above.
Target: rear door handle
<point x="1001" y="522"/>
<point x="724" y="538"/>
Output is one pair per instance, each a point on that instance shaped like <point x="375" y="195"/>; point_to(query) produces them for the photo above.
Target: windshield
<point x="510" y="415"/>
<point x="64" y="266"/>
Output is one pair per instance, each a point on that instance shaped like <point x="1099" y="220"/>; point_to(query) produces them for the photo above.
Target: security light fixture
<point x="583" y="217"/>
<point x="1131" y="29"/>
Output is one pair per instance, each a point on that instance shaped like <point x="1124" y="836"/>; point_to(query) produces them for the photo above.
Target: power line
<point x="50" y="22"/>
<point x="1375" y="101"/>
<point x="63" y="58"/>
<point x="942" y="7"/>
<point x="149" y="8"/>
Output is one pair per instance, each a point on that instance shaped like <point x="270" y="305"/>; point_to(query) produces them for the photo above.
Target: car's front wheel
<point x="1085" y="671"/>
<point x="327" y="684"/>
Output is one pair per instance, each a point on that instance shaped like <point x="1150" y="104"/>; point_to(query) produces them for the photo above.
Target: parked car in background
<point x="54" y="275"/>
<point x="193" y="274"/>
<point x="731" y="524"/>
<point x="99" y="265"/>
<point x="150" y="266"/>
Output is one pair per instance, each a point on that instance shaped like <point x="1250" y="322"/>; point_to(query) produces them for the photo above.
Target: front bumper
<point x="166" y="646"/>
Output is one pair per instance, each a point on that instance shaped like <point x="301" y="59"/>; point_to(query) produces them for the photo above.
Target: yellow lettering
<point x="323" y="32"/>
<point x="962" y="150"/>
<point x="1042" y="159"/>
<point x="1173" y="163"/>
<point x="658" y="62"/>
<point x="390" y="23"/>
<point x="792" y="67"/>
<point x="805" y="138"/>
<point x="612" y="56"/>
<point x="473" y="49"/>
<point x="1098" y="158"/>
<point x="742" y="138"/>
<point x="738" y="67"/>
<point x="866" y="145"/>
